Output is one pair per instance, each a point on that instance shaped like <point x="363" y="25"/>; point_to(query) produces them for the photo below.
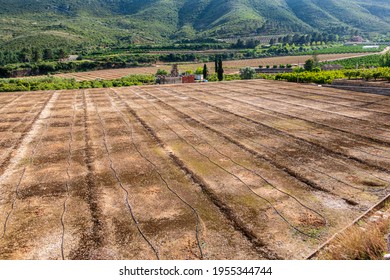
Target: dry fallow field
<point x="231" y="170"/>
<point x="230" y="67"/>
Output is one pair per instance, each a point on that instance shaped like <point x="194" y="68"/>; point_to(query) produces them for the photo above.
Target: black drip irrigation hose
<point x="119" y="182"/>
<point x="232" y="174"/>
<point x="131" y="130"/>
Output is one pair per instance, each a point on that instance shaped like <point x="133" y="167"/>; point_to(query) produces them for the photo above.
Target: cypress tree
<point x="205" y="72"/>
<point x="220" y="70"/>
<point x="216" y="64"/>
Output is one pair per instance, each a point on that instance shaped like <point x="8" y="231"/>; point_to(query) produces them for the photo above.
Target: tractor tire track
<point x="8" y="161"/>
<point x="8" y="153"/>
<point x="336" y="154"/>
<point x="299" y="96"/>
<point x="226" y="211"/>
<point x="120" y="184"/>
<point x="44" y="116"/>
<point x="11" y="102"/>
<point x="94" y="238"/>
<point x="303" y="142"/>
<point x="287" y="117"/>
<point x="271" y="161"/>
<point x="237" y="177"/>
<point x="364" y="123"/>
<point x="68" y="179"/>
<point x="155" y="168"/>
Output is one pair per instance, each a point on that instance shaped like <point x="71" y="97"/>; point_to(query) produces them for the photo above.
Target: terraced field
<point x="232" y="170"/>
<point x="230" y="67"/>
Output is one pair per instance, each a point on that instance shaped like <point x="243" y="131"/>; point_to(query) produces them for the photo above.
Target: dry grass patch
<point x="360" y="242"/>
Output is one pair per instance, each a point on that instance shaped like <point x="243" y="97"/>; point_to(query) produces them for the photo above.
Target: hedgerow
<point x="55" y="83"/>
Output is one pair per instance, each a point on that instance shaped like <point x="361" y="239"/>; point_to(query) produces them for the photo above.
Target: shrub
<point x="247" y="73"/>
<point x="358" y="243"/>
<point x="324" y="77"/>
<point x="54" y="83"/>
<point x="199" y="71"/>
<point x="161" y="72"/>
<point x="309" y="64"/>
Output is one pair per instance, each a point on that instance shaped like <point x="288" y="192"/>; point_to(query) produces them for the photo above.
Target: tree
<point x="247" y="73"/>
<point x="216" y="64"/>
<point x="240" y="44"/>
<point x="205" y="71"/>
<point x="24" y="55"/>
<point x="220" y="70"/>
<point x="161" y="72"/>
<point x="316" y="59"/>
<point x="61" y="54"/>
<point x="36" y="55"/>
<point x="309" y="64"/>
<point x="251" y="43"/>
<point x="385" y="60"/>
<point x="47" y="54"/>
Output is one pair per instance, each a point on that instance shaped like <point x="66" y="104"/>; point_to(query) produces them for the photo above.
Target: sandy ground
<point x="232" y="170"/>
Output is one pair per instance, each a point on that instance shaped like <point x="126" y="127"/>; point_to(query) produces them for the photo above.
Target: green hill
<point x="72" y="22"/>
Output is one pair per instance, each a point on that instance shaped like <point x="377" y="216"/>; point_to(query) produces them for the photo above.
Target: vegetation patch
<point x="55" y="83"/>
<point x="360" y="243"/>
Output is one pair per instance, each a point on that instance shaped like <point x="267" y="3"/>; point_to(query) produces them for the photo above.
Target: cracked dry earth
<point x="232" y="170"/>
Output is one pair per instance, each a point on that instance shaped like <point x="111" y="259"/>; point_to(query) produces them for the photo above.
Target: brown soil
<point x="233" y="170"/>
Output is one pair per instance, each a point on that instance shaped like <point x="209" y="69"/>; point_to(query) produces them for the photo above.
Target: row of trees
<point x="305" y="39"/>
<point x="327" y="77"/>
<point x="298" y="39"/>
<point x="54" y="83"/>
<point x="31" y="55"/>
<point x="384" y="60"/>
<point x="248" y="44"/>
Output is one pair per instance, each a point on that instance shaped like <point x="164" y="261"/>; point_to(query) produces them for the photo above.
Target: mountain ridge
<point x="162" y="20"/>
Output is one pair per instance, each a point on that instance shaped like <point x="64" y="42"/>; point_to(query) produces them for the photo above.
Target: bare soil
<point x="231" y="170"/>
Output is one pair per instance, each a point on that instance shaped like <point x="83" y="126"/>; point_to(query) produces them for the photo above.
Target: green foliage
<point x="220" y="70"/>
<point x="384" y="60"/>
<point x="307" y="49"/>
<point x="309" y="64"/>
<point x="161" y="72"/>
<point x="54" y="83"/>
<point x="54" y="23"/>
<point x="352" y="63"/>
<point x="324" y="77"/>
<point x="199" y="71"/>
<point x="247" y="73"/>
<point x="327" y="77"/>
<point x="205" y="72"/>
